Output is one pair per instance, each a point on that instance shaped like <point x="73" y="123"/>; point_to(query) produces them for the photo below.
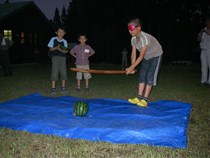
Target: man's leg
<point x="144" y="92"/>
<point x="141" y="89"/>
<point x="3" y="63"/>
<point x="87" y="77"/>
<point x="151" y="79"/>
<point x="87" y="83"/>
<point x="54" y="75"/>
<point x="53" y="84"/>
<point x="63" y="74"/>
<point x="204" y="68"/>
<point x="7" y="63"/>
<point x="79" y="78"/>
<point x="208" y="66"/>
<point x="147" y="91"/>
<point x="78" y="83"/>
<point x="142" y="79"/>
<point x="63" y="82"/>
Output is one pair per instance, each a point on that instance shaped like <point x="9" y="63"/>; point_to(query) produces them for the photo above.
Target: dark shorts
<point x="149" y="70"/>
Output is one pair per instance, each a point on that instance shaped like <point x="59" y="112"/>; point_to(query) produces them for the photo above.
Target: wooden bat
<point x="99" y="71"/>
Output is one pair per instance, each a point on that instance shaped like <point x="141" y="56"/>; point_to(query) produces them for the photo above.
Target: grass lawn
<point x="180" y="83"/>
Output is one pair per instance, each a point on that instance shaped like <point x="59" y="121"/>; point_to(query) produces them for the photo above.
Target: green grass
<point x="180" y="83"/>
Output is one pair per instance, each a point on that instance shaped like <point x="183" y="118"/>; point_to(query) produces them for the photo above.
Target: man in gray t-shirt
<point x="204" y="38"/>
<point x="150" y="56"/>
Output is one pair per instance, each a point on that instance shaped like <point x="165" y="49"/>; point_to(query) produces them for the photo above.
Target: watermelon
<point x="80" y="108"/>
<point x="63" y="48"/>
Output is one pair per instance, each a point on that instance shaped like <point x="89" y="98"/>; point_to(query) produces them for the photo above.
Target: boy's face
<point x="133" y="29"/>
<point x="60" y="33"/>
<point x="82" y="39"/>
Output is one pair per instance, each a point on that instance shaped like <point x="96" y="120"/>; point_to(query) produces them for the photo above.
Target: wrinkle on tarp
<point x="162" y="123"/>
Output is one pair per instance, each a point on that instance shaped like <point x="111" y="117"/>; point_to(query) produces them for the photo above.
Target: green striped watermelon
<point x="80" y="108"/>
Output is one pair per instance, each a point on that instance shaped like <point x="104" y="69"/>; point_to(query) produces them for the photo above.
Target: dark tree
<point x="75" y="19"/>
<point x="7" y="1"/>
<point x="63" y="15"/>
<point x="102" y="21"/>
<point x="57" y="19"/>
<point x="183" y="20"/>
<point x="174" y="23"/>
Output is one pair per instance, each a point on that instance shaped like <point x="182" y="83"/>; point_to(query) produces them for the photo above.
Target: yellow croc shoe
<point x="142" y="103"/>
<point x="134" y="100"/>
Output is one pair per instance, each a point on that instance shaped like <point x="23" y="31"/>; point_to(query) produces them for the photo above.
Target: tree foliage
<point x="63" y="16"/>
<point x="57" y="19"/>
<point x="105" y="23"/>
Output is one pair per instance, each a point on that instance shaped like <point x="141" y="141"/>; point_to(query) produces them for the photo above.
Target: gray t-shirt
<point x="154" y="48"/>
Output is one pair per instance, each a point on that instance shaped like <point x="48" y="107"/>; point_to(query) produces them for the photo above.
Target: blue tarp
<point x="162" y="123"/>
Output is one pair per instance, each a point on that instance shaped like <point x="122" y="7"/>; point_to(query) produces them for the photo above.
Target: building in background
<point x="29" y="29"/>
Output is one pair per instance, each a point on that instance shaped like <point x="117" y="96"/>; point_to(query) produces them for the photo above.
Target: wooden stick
<point x="99" y="71"/>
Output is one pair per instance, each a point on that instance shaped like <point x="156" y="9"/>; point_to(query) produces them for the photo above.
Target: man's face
<point x="60" y="33"/>
<point x="133" y="29"/>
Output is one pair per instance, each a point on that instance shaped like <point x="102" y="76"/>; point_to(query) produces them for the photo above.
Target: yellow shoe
<point x="134" y="100"/>
<point x="142" y="103"/>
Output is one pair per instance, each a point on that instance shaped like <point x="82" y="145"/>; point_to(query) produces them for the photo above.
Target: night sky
<point x="46" y="6"/>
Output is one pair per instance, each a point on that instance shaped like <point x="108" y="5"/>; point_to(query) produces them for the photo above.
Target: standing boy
<point x="204" y="38"/>
<point x="82" y="52"/>
<point x="124" y="58"/>
<point x="58" y="59"/>
<point x="150" y="57"/>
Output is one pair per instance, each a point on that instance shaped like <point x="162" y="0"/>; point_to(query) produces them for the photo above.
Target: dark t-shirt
<point x="55" y="43"/>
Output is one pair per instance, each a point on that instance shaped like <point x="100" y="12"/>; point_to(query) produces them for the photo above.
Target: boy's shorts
<point x="58" y="66"/>
<point x="86" y="75"/>
<point x="149" y="70"/>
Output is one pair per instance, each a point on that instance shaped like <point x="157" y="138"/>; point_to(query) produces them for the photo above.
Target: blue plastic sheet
<point x="163" y="123"/>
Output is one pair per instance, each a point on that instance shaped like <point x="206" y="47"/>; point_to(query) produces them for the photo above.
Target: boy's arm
<point x="200" y="35"/>
<point x="55" y="48"/>
<point x="51" y="45"/>
<point x="130" y="70"/>
<point x="73" y="53"/>
<point x="207" y="32"/>
<point x="65" y="44"/>
<point x="91" y="52"/>
<point x="133" y="55"/>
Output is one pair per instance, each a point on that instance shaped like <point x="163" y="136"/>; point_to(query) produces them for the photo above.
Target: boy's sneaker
<point x="63" y="90"/>
<point x="78" y="89"/>
<point x="134" y="100"/>
<point x="142" y="103"/>
<point x="53" y="92"/>
<point x="87" y="89"/>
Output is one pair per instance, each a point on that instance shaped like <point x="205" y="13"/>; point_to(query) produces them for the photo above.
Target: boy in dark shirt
<point x="58" y="59"/>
